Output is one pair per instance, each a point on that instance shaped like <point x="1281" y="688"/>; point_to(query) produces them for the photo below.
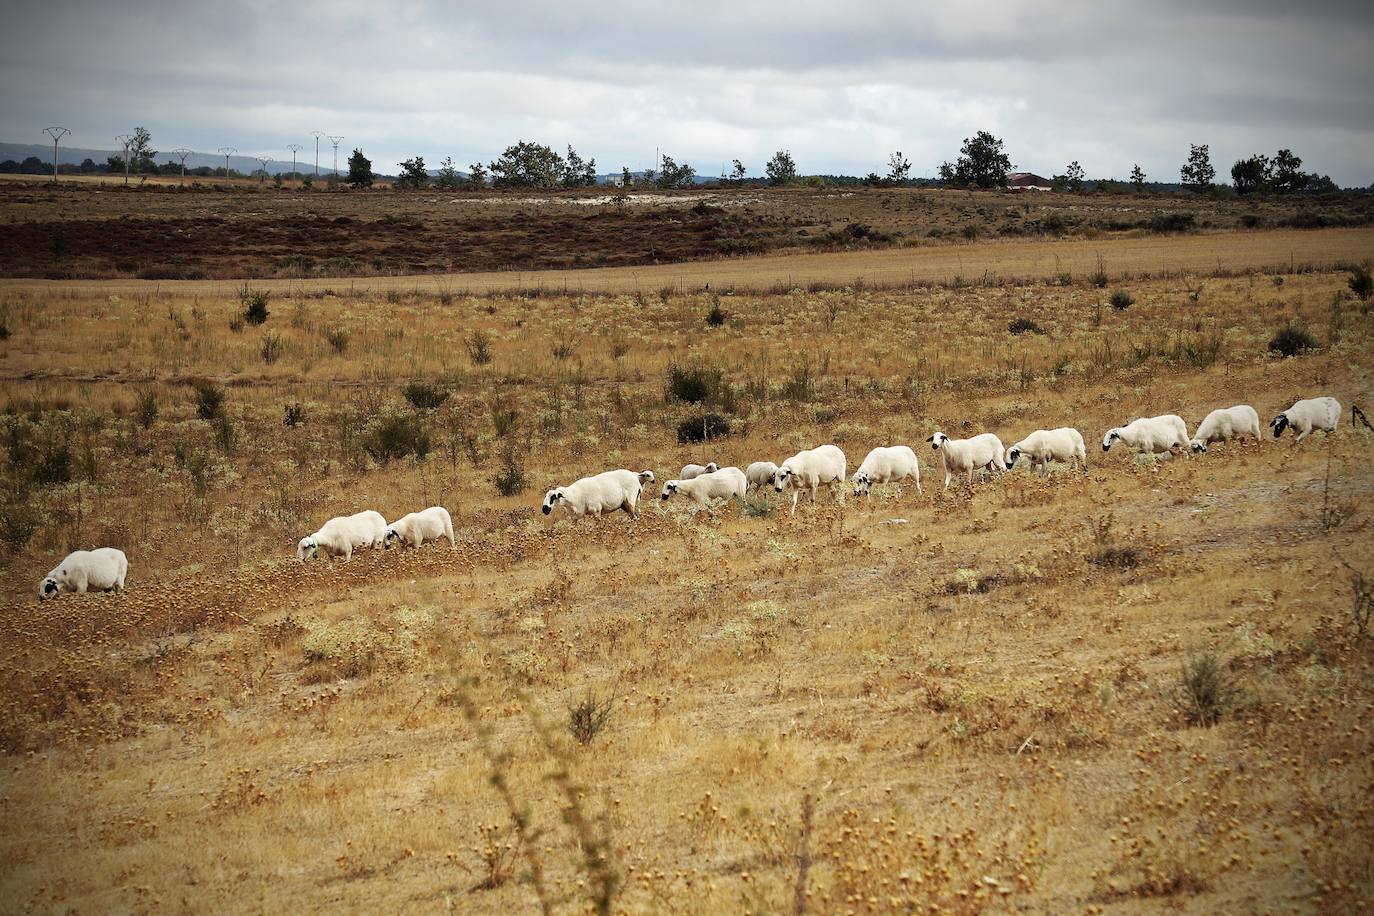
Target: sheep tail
<point x="1356" y="412"/>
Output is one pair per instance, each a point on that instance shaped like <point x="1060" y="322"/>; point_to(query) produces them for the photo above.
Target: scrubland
<point x="1144" y="686"/>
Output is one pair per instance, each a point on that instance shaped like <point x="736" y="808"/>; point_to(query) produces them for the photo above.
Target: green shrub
<point x="1361" y="283"/>
<point x="254" y="305"/>
<point x="209" y="399"/>
<point x="717" y="317"/>
<point x="1205" y="691"/>
<point x="510" y="480"/>
<point x="478" y="345"/>
<point x="271" y="348"/>
<point x="338" y="339"/>
<point x="692" y="386"/>
<point x="1121" y="300"/>
<point x="1023" y="325"/>
<point x="703" y="428"/>
<point x="295" y="414"/>
<point x="396" y="437"/>
<point x="587" y="718"/>
<point x="424" y="396"/>
<point x="145" y="407"/>
<point x="1292" y="340"/>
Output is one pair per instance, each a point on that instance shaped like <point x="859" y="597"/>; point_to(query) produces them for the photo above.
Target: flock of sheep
<point x="106" y="568"/>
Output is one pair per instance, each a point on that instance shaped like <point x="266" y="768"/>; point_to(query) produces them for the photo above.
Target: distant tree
<point x="413" y="174"/>
<point x="477" y="175"/>
<point x="1073" y="177"/>
<point x="898" y="168"/>
<point x="33" y="166"/>
<point x="626" y="179"/>
<point x="9" y="167"/>
<point x="1251" y="175"/>
<point x="1138" y="177"/>
<point x="527" y="165"/>
<point x="1287" y="175"/>
<point x="359" y="170"/>
<point x="141" y="152"/>
<point x="1319" y="184"/>
<point x="781" y="168"/>
<point x="577" y="172"/>
<point x="114" y="164"/>
<point x="650" y="176"/>
<point x="982" y="162"/>
<point x="672" y="175"/>
<point x="447" y="179"/>
<point x="737" y="170"/>
<point x="1197" y="173"/>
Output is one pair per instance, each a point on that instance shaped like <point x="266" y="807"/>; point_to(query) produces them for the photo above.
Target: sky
<point x="839" y="85"/>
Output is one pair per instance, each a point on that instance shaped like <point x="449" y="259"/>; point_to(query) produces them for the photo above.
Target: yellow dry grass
<point x="967" y="699"/>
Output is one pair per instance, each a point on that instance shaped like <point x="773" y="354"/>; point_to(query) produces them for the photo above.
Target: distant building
<point x="1028" y="181"/>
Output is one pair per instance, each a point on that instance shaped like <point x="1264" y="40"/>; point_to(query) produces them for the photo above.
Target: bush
<point x="1292" y="340"/>
<point x="1361" y="283"/>
<point x="295" y="414"/>
<point x="692" y="386"/>
<point x="478" y="345"/>
<point x="271" y="349"/>
<point x="209" y="399"/>
<point x="19" y="522"/>
<point x="716" y="317"/>
<point x="54" y="465"/>
<point x="1171" y="222"/>
<point x="703" y="428"/>
<point x="4" y="330"/>
<point x="254" y="306"/>
<point x="424" y="396"/>
<point x="1022" y="325"/>
<point x="587" y="718"/>
<point x="396" y="437"/>
<point x="145" y="408"/>
<point x="338" y="339"/>
<point x="1121" y="300"/>
<point x="510" y="480"/>
<point x="1205" y="691"/>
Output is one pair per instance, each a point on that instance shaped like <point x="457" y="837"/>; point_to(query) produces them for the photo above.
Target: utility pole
<point x="318" y="134"/>
<point x="126" y="140"/>
<point x="336" y="141"/>
<point x="181" y="153"/>
<point x="294" y="148"/>
<point x="226" y="152"/>
<point x="264" y="160"/>
<point x="57" y="133"/>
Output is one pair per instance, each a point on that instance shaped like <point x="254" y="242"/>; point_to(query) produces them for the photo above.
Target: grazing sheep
<point x="1151" y="435"/>
<point x="417" y="527"/>
<point x="760" y="474"/>
<point x="1226" y="423"/>
<point x="600" y="494"/>
<point x="968" y="455"/>
<point x="887" y="464"/>
<point x="810" y="468"/>
<point x="102" y="569"/>
<point x="721" y="484"/>
<point x="1046" y="445"/>
<point x="1308" y="416"/>
<point x="340" y="536"/>
<point x="693" y="471"/>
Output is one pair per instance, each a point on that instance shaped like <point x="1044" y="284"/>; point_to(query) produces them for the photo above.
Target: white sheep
<point x="102" y="569"/>
<point x="426" y="525"/>
<point x="1226" y="423"/>
<point x="721" y="484"/>
<point x="600" y="494"/>
<point x="887" y="464"/>
<point x="693" y="471"/>
<point x="810" y="468"/>
<point x="1151" y="435"/>
<point x="1046" y="445"/>
<point x="968" y="455"/>
<point x="1308" y="416"/>
<point x="760" y="474"/>
<point x="340" y="536"/>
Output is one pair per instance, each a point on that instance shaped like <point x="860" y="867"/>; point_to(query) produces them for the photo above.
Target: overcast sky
<point x="840" y="85"/>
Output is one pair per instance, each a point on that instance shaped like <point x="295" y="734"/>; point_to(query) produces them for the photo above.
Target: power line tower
<point x="264" y="160"/>
<point x="336" y="141"/>
<point x="57" y="133"/>
<point x="226" y="152"/>
<point x="126" y="140"/>
<point x="317" y="134"/>
<point x="294" y="148"/>
<point x="181" y="153"/>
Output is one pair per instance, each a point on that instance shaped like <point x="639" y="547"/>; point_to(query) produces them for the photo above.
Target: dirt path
<point x="1000" y="260"/>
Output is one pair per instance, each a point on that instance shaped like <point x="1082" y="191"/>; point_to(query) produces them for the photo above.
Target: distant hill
<point x="71" y="155"/>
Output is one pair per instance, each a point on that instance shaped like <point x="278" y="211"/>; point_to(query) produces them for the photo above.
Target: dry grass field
<point x="1143" y="687"/>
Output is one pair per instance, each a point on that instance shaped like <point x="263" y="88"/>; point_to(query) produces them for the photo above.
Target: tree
<point x="1197" y="173"/>
<point x="1138" y="177"/>
<point x="114" y="164"/>
<point x="359" y="170"/>
<point x="898" y="168"/>
<point x="1073" y="177"/>
<point x="413" y="174"/>
<point x="141" y="153"/>
<point x="527" y="165"/>
<point x="626" y="179"/>
<point x="781" y="168"/>
<point x="982" y="162"/>
<point x="672" y="175"/>
<point x="447" y="179"/>
<point x="1287" y="176"/>
<point x="477" y="175"/>
<point x="33" y="166"/>
<point x="737" y="170"/>
<point x="1250" y="175"/>
<point x="578" y="173"/>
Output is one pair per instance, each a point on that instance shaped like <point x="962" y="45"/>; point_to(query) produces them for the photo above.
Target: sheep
<point x="810" y="468"/>
<point x="102" y="569"/>
<point x="340" y="536"/>
<point x="960" y="455"/>
<point x="1046" y="445"/>
<point x="1226" y="423"/>
<point x="1151" y="435"/>
<point x="1307" y="416"/>
<point x="886" y="464"/>
<point x="600" y="494"/>
<point x="693" y="471"/>
<point x="721" y="484"/>
<point x="760" y="474"/>
<point x="417" y="527"/>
